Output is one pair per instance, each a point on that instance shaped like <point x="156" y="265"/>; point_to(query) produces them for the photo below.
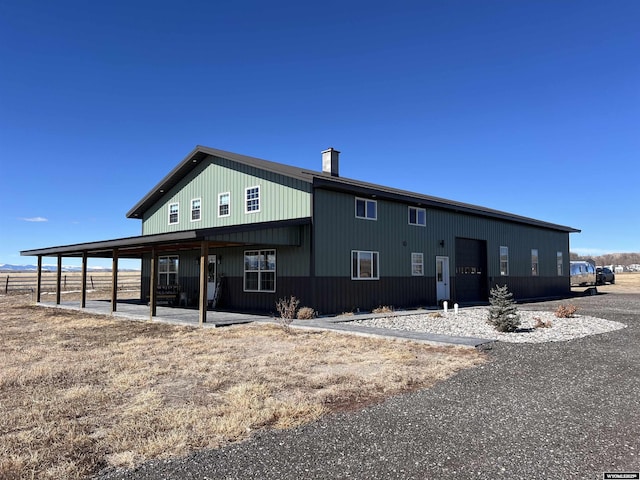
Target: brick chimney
<point x="330" y="161"/>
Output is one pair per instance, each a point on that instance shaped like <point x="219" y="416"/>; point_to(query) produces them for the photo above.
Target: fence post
<point x="65" y="281"/>
<point x="6" y="287"/>
<point x="91" y="278"/>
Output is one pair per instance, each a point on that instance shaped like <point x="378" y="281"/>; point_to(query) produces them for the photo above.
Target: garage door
<point x="471" y="270"/>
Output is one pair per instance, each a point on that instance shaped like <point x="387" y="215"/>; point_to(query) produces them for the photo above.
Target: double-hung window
<point x="417" y="264"/>
<point x="168" y="270"/>
<point x="534" y="262"/>
<point x="173" y="213"/>
<point x="252" y="197"/>
<point x="196" y="205"/>
<point x="417" y="216"/>
<point x="364" y="265"/>
<point x="224" y="204"/>
<point x="504" y="261"/>
<point x="367" y="209"/>
<point x="260" y="271"/>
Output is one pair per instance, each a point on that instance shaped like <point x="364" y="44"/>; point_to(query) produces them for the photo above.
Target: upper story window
<point x="534" y="262"/>
<point x="224" y="204"/>
<point x="367" y="209"/>
<point x="252" y="196"/>
<point x="504" y="261"/>
<point x="417" y="264"/>
<point x="195" y="209"/>
<point x="364" y="265"/>
<point x="417" y="216"/>
<point x="173" y="213"/>
<point x="559" y="263"/>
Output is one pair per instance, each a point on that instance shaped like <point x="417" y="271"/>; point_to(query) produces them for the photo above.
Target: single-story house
<point x="240" y="232"/>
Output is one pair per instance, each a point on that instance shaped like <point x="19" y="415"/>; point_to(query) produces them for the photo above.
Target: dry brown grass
<point x="81" y="392"/>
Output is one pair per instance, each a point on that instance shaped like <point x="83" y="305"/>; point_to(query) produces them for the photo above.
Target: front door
<point x="442" y="278"/>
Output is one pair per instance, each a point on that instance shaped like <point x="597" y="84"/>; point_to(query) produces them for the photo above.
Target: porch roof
<point x="135" y="247"/>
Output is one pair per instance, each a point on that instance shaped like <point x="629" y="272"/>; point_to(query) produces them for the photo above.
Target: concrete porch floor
<point x="173" y="315"/>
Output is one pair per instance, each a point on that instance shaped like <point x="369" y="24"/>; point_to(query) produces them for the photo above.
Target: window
<point x="224" y="204"/>
<point x="260" y="271"/>
<point x="504" y="261"/>
<point x="364" y="265"/>
<point x="559" y="263"/>
<point x="534" y="262"/>
<point x="417" y="264"/>
<point x="168" y="270"/>
<point x="417" y="216"/>
<point x="367" y="209"/>
<point x="252" y="196"/>
<point x="195" y="209"/>
<point x="173" y="213"/>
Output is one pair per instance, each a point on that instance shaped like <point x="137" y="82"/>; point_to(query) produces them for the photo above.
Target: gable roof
<point x="325" y="180"/>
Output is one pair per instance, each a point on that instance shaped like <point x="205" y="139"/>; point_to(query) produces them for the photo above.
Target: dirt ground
<point x="81" y="392"/>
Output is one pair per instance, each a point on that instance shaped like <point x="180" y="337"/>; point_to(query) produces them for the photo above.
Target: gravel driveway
<point x="550" y="410"/>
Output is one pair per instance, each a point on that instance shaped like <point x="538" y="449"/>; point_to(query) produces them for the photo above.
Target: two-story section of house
<point x="272" y="230"/>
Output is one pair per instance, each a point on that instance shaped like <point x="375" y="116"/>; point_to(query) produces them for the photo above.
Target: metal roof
<point x="323" y="180"/>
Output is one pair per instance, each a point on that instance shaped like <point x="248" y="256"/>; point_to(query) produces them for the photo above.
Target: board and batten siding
<point x="281" y="197"/>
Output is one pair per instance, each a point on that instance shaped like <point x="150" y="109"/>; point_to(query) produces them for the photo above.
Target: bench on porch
<point x="168" y="294"/>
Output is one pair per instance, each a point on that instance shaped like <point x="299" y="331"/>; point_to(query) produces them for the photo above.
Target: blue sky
<point x="531" y="107"/>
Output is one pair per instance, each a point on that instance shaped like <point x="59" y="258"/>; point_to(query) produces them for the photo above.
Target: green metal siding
<point x="281" y="197"/>
<point x="337" y="232"/>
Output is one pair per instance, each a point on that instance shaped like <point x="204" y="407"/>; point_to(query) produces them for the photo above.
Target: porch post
<point x="204" y="265"/>
<point x="59" y="280"/>
<point x="39" y="281"/>
<point x="83" y="302"/>
<point x="114" y="280"/>
<point x="152" y="284"/>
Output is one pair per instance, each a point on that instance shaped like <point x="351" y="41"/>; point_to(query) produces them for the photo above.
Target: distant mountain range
<point x="7" y="268"/>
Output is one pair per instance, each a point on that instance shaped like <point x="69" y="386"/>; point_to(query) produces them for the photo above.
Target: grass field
<point x="80" y="392"/>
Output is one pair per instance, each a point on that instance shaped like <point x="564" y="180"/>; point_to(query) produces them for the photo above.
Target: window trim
<point x="228" y="205"/>
<point x="366" y="209"/>
<point x="375" y="264"/>
<point x="259" y="270"/>
<point x="256" y="199"/>
<point x="505" y="272"/>
<point x="535" y="266"/>
<point x="414" y="263"/>
<point x="177" y="213"/>
<point x="199" y="209"/>
<point x="418" y="210"/>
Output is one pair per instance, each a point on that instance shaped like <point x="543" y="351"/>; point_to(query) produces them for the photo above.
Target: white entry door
<point x="442" y="278"/>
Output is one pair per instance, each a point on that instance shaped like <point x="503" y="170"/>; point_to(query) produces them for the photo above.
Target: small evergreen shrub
<point x="503" y="313"/>
<point x="306" y="313"/>
<point x="566" y="311"/>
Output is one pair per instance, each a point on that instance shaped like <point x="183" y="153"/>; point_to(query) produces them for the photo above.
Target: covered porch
<point x="131" y="310"/>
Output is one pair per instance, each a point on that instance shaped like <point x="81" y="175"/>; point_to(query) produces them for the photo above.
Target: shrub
<point x="306" y="313"/>
<point x="383" y="309"/>
<point x="541" y="323"/>
<point x="566" y="311"/>
<point x="287" y="309"/>
<point x="434" y="315"/>
<point x="503" y="313"/>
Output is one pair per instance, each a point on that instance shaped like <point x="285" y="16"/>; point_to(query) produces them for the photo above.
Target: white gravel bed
<point x="472" y="322"/>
